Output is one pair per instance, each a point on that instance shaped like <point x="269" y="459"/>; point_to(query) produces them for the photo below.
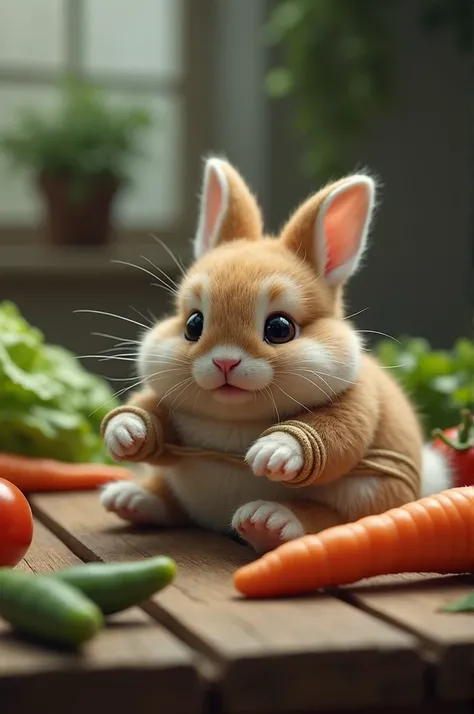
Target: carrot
<point x="432" y="535"/>
<point x="37" y="474"/>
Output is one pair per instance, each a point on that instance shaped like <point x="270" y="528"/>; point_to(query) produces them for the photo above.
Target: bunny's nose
<point x="226" y="364"/>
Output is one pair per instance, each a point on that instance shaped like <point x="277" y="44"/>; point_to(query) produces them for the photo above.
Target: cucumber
<point x="47" y="609"/>
<point x="117" y="586"/>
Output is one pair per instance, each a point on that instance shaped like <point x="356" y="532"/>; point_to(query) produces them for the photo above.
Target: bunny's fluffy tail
<point x="436" y="474"/>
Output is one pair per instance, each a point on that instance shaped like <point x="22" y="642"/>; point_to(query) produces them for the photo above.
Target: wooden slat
<point x="414" y="602"/>
<point x="428" y="708"/>
<point x="277" y="656"/>
<point x="128" y="665"/>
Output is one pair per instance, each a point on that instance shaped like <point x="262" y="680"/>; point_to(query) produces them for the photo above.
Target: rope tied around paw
<point x="376" y="462"/>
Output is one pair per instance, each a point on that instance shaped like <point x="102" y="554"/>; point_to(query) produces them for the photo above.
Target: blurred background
<point x="294" y="92"/>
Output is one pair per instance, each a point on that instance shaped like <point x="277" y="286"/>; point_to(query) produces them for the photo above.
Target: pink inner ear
<point x="213" y="205"/>
<point x="343" y="226"/>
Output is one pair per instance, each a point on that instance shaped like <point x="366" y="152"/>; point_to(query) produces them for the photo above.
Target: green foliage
<point x="50" y="406"/>
<point x="337" y="63"/>
<point x="441" y="382"/>
<point x="337" y="59"/>
<point x="85" y="141"/>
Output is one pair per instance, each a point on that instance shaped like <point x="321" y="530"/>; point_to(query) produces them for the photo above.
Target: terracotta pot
<point x="81" y="221"/>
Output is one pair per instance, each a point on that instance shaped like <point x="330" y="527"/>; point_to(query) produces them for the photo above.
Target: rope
<point x="307" y="437"/>
<point x="366" y="467"/>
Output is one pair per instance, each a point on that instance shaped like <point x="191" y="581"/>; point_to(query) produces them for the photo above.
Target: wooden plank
<point x="428" y="708"/>
<point x="277" y="656"/>
<point x="413" y="602"/>
<point x="129" y="664"/>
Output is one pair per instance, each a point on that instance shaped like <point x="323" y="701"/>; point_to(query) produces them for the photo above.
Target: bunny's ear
<point x="331" y="228"/>
<point x="228" y="209"/>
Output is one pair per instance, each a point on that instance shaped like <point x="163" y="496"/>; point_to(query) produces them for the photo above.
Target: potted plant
<point x="80" y="158"/>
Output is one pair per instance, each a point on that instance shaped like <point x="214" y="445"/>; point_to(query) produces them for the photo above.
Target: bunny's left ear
<point x="331" y="228"/>
<point x="228" y="210"/>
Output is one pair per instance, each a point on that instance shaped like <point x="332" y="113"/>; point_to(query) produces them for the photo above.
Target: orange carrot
<point x="432" y="535"/>
<point x="35" y="474"/>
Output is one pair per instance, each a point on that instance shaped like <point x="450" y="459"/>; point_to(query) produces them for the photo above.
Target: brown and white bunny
<point x="258" y="359"/>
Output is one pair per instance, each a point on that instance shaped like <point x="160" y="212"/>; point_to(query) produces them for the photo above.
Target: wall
<point x="418" y="274"/>
<point x="50" y="303"/>
<point x="241" y="129"/>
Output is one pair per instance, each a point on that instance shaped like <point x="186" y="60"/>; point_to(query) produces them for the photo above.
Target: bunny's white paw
<point x="265" y="525"/>
<point x="277" y="456"/>
<point x="124" y="435"/>
<point x="133" y="503"/>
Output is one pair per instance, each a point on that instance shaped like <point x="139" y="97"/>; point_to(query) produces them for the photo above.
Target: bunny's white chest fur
<point x="211" y="490"/>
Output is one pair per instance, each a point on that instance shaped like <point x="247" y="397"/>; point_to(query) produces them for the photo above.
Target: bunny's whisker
<point x="157" y="375"/>
<point x="173" y="284"/>
<point x="268" y="391"/>
<point x="172" y="389"/>
<point x="185" y="392"/>
<point x="383" y="334"/>
<point x="118" y="346"/>
<point x="317" y="373"/>
<point x="275" y="384"/>
<point x="115" y="337"/>
<point x="199" y="390"/>
<point x="161" y="283"/>
<point x="144" y="317"/>
<point x="354" y="314"/>
<point x="118" y="358"/>
<point x="118" y="317"/>
<point x="318" y="387"/>
<point x="117" y="394"/>
<point x="178" y="264"/>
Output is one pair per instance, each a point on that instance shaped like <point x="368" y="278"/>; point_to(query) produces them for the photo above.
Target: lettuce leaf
<point x="50" y="405"/>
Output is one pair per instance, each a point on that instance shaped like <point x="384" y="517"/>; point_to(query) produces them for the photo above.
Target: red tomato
<point x="16" y="524"/>
<point x="457" y="444"/>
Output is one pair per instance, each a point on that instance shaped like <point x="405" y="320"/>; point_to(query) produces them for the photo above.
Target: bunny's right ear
<point x="228" y="209"/>
<point x="330" y="229"/>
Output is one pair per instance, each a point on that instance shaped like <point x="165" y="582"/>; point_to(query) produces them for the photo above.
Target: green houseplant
<point x="79" y="157"/>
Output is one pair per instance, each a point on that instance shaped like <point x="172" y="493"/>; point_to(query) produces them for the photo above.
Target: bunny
<point x="259" y="359"/>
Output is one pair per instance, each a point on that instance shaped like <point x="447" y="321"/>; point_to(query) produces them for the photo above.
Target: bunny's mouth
<point x="228" y="392"/>
<point x="230" y="389"/>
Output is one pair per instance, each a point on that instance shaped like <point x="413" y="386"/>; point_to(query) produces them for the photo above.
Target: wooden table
<point x="198" y="647"/>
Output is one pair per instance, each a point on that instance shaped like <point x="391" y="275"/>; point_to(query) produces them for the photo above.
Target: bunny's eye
<point x="279" y="329"/>
<point x="194" y="327"/>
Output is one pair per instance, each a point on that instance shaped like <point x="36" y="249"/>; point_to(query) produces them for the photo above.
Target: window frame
<point x="193" y="87"/>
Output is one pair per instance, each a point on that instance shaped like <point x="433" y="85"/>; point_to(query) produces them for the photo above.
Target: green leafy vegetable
<point x="50" y="405"/>
<point x="440" y="382"/>
<point x="465" y="604"/>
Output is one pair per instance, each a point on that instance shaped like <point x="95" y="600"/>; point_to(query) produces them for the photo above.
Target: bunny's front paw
<point x="265" y="525"/>
<point x="277" y="456"/>
<point x="124" y="435"/>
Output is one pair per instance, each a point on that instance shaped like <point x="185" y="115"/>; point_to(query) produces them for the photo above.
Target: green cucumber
<point x="117" y="586"/>
<point x="48" y="609"/>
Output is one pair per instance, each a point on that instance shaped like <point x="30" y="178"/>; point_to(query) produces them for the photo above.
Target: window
<point x="145" y="51"/>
